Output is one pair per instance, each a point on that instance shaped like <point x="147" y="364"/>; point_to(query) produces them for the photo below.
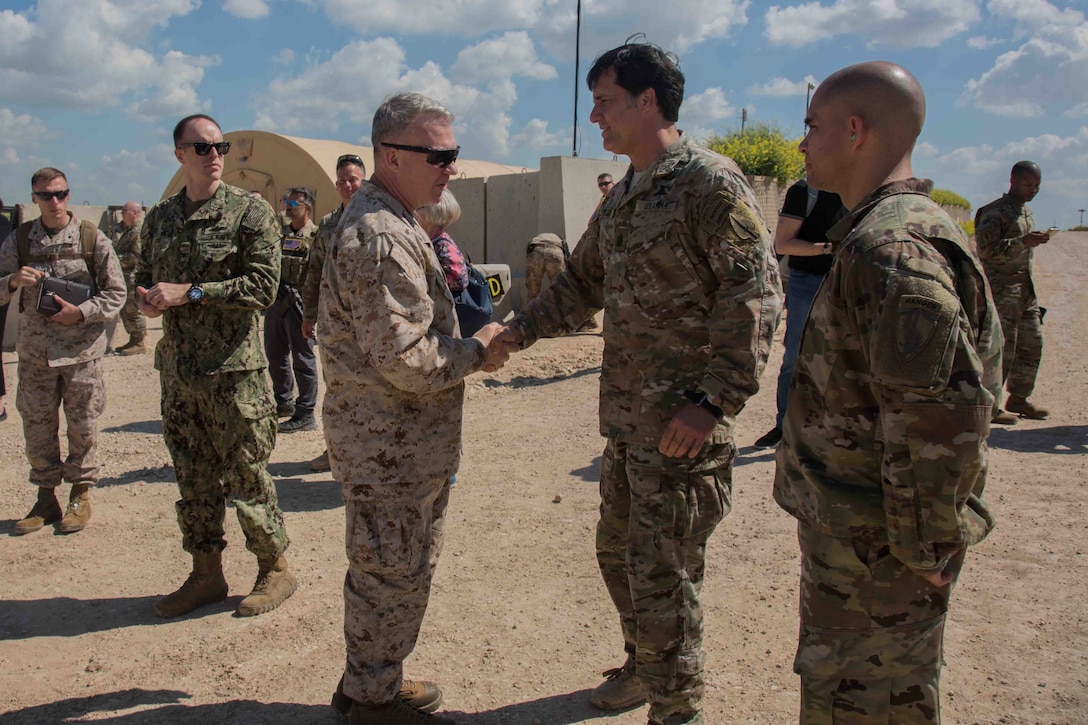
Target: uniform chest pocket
<point x="663" y="279"/>
<point x="216" y="249"/>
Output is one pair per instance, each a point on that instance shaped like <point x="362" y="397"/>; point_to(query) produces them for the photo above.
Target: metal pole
<point x="577" y="49"/>
<point x="808" y="91"/>
<point x="743" y="118"/>
<point x="1082" y="216"/>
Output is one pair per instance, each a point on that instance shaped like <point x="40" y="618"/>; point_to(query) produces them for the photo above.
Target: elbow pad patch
<point x="916" y="339"/>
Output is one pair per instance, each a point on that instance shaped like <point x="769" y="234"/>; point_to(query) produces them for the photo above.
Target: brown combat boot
<point x="79" y="509"/>
<point x="397" y="712"/>
<point x="1025" y="408"/>
<point x="133" y="347"/>
<point x="422" y="695"/>
<point x="274" y="584"/>
<point x="205" y="585"/>
<point x="1004" y="417"/>
<point x="321" y="463"/>
<point x="46" y="510"/>
<point x="620" y="690"/>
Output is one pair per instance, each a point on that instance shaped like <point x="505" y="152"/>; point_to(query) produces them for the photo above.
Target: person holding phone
<point x="1006" y="238"/>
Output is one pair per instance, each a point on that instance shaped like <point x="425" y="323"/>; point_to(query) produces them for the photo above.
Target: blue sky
<point x="94" y="86"/>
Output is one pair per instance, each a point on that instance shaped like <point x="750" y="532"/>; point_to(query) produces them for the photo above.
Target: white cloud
<point x="285" y="56"/>
<point x="250" y="9"/>
<point x="19" y="129"/>
<point x="706" y="114"/>
<point x="535" y="135"/>
<point x="781" y="87"/>
<point x="890" y="23"/>
<point x="981" y="42"/>
<point x="140" y="170"/>
<point x="1046" y="73"/>
<point x="176" y="94"/>
<point x="1081" y="109"/>
<point x="925" y="149"/>
<point x="9" y="156"/>
<point x="316" y="101"/>
<point x="685" y="24"/>
<point x="97" y="55"/>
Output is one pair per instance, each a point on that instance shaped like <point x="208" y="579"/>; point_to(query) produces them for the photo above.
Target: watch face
<point x="195" y="294"/>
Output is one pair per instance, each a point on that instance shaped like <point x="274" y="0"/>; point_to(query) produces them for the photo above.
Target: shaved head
<point x="883" y="95"/>
<point x="1026" y="167"/>
<point x="131" y="206"/>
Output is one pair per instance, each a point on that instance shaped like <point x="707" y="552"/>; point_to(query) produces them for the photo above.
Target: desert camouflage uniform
<point x="543" y="258"/>
<point x="394" y="368"/>
<point x="311" y="288"/>
<point x="126" y="242"/>
<point x="1000" y="228"/>
<point x="218" y="419"/>
<point x="683" y="266"/>
<point x="883" y="455"/>
<point x="291" y="357"/>
<point x="59" y="364"/>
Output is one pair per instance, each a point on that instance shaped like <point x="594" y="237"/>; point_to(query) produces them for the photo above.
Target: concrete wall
<point x="103" y="216"/>
<point x="770" y="195"/>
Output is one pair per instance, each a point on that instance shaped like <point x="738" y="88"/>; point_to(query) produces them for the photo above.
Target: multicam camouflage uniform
<point x="59" y="364"/>
<point x="394" y="365"/>
<point x="544" y="257"/>
<point x="683" y="267"/>
<point x="218" y="419"/>
<point x="311" y="288"/>
<point x="126" y="242"/>
<point x="287" y="350"/>
<point x="1000" y="228"/>
<point x="883" y="455"/>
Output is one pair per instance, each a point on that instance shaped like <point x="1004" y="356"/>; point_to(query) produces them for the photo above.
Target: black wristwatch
<point x="195" y="293"/>
<point x="701" y="400"/>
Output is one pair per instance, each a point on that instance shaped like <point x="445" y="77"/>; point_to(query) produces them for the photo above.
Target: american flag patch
<point x="292" y="244"/>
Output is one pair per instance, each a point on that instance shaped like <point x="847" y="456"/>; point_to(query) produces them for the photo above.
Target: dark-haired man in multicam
<point x="883" y="452"/>
<point x="680" y="259"/>
<point x="1006" y="238"/>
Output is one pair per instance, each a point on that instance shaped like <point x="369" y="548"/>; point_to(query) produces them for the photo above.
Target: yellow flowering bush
<point x="762" y="149"/>
<point x="944" y="197"/>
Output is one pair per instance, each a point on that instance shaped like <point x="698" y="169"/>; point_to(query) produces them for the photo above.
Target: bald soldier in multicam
<point x="680" y="259"/>
<point x="883" y="455"/>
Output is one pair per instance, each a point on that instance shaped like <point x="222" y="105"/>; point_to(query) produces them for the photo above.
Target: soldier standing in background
<point x="126" y="242"/>
<point x="59" y="355"/>
<point x="288" y="350"/>
<point x="1004" y="233"/>
<point x="210" y="261"/>
<point x="546" y="256"/>
<point x="350" y="173"/>
<point x="394" y="369"/>
<point x="680" y="259"/>
<point x="883" y="452"/>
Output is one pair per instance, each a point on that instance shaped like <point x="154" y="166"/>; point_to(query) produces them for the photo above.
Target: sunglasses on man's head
<point x="203" y="149"/>
<point x="349" y="159"/>
<point x="435" y="157"/>
<point x="47" y="195"/>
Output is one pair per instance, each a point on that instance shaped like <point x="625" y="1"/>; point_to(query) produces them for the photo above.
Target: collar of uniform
<point x="211" y="209"/>
<point x="1012" y="200"/>
<point x="676" y="154"/>
<point x="306" y="229"/>
<point x="913" y="185"/>
<point x="372" y="190"/>
<point x="38" y="230"/>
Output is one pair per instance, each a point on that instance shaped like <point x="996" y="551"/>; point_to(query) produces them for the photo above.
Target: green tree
<point x="762" y="149"/>
<point x="944" y="197"/>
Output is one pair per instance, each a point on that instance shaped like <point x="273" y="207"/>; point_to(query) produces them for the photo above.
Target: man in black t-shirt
<point x="806" y="216"/>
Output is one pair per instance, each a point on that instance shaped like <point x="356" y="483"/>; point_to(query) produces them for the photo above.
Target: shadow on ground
<point x="316" y="492"/>
<point x="68" y="617"/>
<point x="529" y="381"/>
<point x="1057" y="439"/>
<point x="166" y="707"/>
<point x="591" y="473"/>
<point x="149" y="427"/>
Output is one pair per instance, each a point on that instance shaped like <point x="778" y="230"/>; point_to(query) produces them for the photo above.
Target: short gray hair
<point x="441" y="214"/>
<point x="398" y="111"/>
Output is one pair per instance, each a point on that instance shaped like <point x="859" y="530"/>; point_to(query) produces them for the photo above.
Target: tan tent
<point x="271" y="164"/>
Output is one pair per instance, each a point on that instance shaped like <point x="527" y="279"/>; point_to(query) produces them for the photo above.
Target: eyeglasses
<point x="349" y="159"/>
<point x="293" y="203"/>
<point x="47" y="195"/>
<point x="203" y="149"/>
<point x="435" y="157"/>
<point x="604" y="183"/>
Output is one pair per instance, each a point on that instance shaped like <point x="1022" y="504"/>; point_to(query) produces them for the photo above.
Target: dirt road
<point x="519" y="625"/>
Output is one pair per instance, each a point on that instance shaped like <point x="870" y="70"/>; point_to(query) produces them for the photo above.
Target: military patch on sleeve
<point x="915" y="341"/>
<point x="255" y="216"/>
<point x="727" y="218"/>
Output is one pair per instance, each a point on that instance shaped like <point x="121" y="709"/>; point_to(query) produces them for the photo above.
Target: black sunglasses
<point x="47" y="195"/>
<point x="349" y="159"/>
<point x="203" y="149"/>
<point x="603" y="183"/>
<point x="435" y="157"/>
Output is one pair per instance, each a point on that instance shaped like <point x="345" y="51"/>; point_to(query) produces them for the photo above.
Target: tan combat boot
<point x="205" y="585"/>
<point x="79" y="509"/>
<point x="274" y="584"/>
<point x="397" y="712"/>
<point x="420" y="694"/>
<point x="133" y="347"/>
<point x="620" y="690"/>
<point x="321" y="463"/>
<point x="46" y="510"/>
<point x="1025" y="408"/>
